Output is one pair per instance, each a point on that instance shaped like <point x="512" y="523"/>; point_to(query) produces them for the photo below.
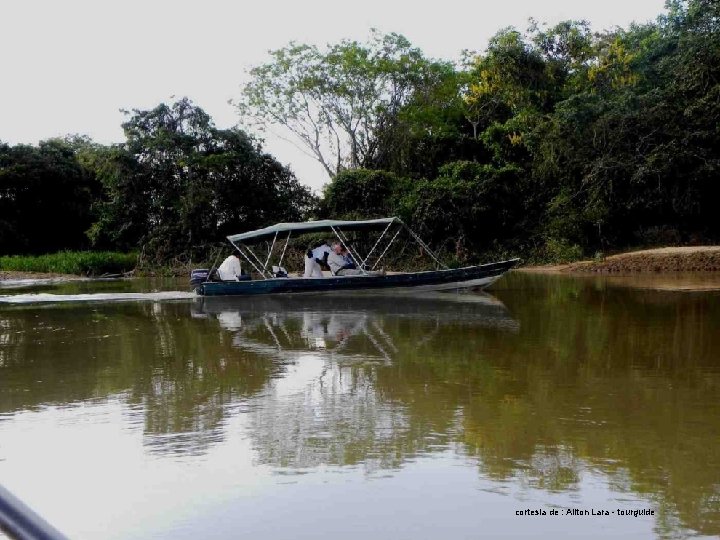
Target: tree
<point x="362" y="193"/>
<point x="568" y="51"/>
<point x="45" y="198"/>
<point x="179" y="183"/>
<point x="334" y="103"/>
<point x="470" y="207"/>
<point x="508" y="90"/>
<point x="428" y="131"/>
<point x="636" y="150"/>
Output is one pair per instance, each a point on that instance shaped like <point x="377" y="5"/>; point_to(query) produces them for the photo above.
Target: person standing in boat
<point x="230" y="269"/>
<point x="315" y="259"/>
<point x="341" y="263"/>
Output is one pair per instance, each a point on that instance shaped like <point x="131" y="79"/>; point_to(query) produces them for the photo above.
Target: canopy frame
<point x="282" y="255"/>
<point x="362" y="264"/>
<point x="270" y="250"/>
<point x="349" y="247"/>
<point x="259" y="270"/>
<point x="390" y="243"/>
<point x="336" y="227"/>
<point x="307" y="227"/>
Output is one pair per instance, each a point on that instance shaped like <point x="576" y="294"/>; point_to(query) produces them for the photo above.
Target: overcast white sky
<point x="68" y="66"/>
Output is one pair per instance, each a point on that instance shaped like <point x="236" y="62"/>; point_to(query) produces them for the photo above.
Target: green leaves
<point x="363" y="193"/>
<point x="552" y="140"/>
<point x="335" y="103"/>
<point x="179" y="184"/>
<point x="45" y="197"/>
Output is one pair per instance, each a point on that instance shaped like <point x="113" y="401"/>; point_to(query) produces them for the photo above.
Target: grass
<point x="88" y="263"/>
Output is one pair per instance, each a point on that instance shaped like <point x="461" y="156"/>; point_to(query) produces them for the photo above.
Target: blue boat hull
<point x="469" y="277"/>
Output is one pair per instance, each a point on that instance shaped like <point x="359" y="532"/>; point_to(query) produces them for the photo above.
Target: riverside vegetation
<point x="71" y="262"/>
<point x="552" y="144"/>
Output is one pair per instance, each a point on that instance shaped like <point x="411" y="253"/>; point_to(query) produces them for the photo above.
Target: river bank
<point x="7" y="275"/>
<point x="66" y="264"/>
<point x="677" y="268"/>
<point x="646" y="261"/>
<point x="687" y="268"/>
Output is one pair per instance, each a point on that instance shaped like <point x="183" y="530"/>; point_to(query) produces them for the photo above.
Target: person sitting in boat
<point x="230" y="269"/>
<point x="315" y="260"/>
<point x="341" y="263"/>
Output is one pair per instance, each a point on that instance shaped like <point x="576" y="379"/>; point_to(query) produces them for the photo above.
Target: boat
<point x="272" y="279"/>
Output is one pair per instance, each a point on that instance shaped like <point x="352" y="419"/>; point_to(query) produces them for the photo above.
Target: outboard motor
<point x="198" y="276"/>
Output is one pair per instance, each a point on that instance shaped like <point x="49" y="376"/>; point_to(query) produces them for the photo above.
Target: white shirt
<point x="230" y="269"/>
<point x="320" y="251"/>
<point x="336" y="262"/>
<point x="312" y="268"/>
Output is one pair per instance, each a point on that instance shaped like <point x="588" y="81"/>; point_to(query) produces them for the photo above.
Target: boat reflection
<point x="347" y="327"/>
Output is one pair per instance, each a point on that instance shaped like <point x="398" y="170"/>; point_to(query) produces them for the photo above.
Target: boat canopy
<point x="243" y="241"/>
<point x="306" y="227"/>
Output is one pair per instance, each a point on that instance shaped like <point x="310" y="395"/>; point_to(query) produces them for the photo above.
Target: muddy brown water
<point x="442" y="416"/>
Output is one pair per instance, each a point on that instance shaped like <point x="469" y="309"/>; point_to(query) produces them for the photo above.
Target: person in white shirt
<point x="313" y="260"/>
<point x="230" y="268"/>
<point x="341" y="263"/>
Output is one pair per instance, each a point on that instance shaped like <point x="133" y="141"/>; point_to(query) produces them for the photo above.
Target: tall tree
<point x="179" y="183"/>
<point x="332" y="103"/>
<point x="45" y="198"/>
<point x="635" y="151"/>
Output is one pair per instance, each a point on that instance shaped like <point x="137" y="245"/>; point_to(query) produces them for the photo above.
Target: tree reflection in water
<point x="571" y="378"/>
<point x="324" y="408"/>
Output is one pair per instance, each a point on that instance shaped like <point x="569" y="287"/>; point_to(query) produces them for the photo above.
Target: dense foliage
<point x="45" y="198"/>
<point x="91" y="263"/>
<point x="552" y="143"/>
<point x="179" y="183"/>
<point x="336" y="102"/>
<point x="175" y="186"/>
<point x="559" y="142"/>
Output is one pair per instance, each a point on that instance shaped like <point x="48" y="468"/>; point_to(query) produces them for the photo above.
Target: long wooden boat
<point x="439" y="279"/>
<point x="436" y="280"/>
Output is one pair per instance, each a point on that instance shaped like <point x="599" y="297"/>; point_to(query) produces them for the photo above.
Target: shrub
<point x="562" y="251"/>
<point x="90" y="263"/>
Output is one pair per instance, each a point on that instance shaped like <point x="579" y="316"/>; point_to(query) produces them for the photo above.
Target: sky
<point x="69" y="66"/>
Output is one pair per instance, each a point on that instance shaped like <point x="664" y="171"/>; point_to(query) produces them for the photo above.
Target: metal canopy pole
<point x="424" y="246"/>
<point x="248" y="258"/>
<point x="282" y="255"/>
<point x="386" y="248"/>
<point x="270" y="251"/>
<point x="257" y="259"/>
<point x="349" y="247"/>
<point x="376" y="244"/>
<point x="353" y="251"/>
<point x="18" y="520"/>
<point x="207" y="279"/>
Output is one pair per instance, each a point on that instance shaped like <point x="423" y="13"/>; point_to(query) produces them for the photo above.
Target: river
<point x="134" y="412"/>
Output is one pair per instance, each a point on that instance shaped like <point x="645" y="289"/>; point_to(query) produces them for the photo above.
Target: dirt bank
<point x="660" y="260"/>
<point x="7" y="275"/>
